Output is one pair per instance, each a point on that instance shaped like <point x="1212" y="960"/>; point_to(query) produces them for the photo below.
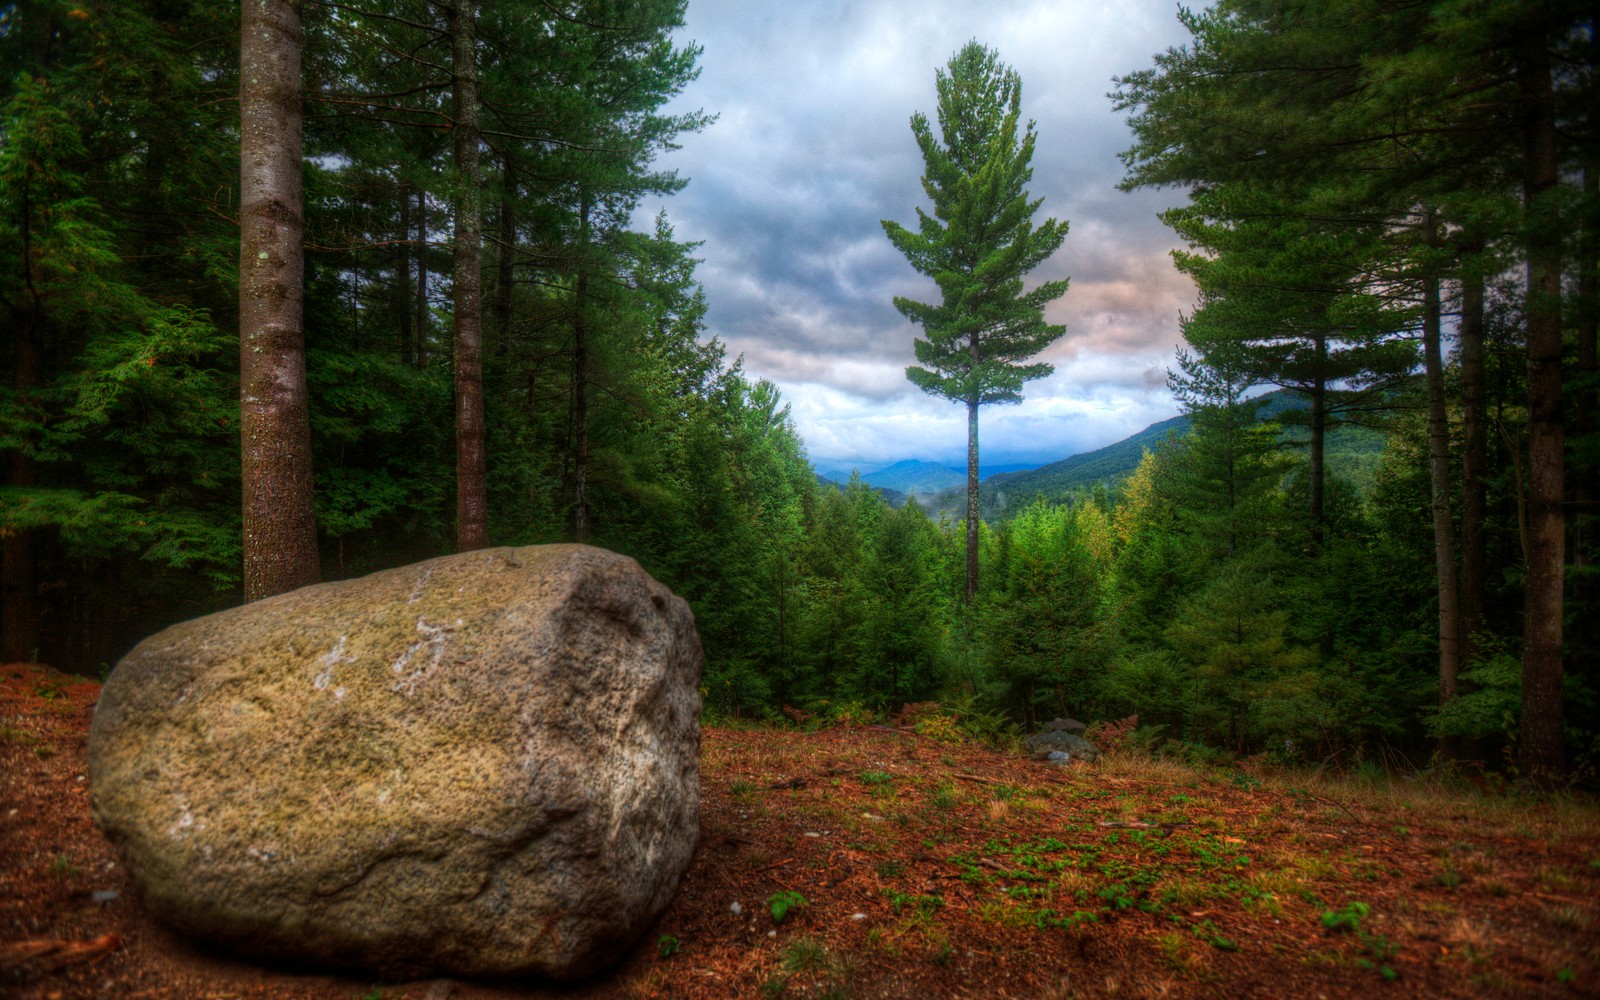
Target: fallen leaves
<point x="937" y="869"/>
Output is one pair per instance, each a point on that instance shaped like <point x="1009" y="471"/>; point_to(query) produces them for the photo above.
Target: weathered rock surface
<point x="1060" y="739"/>
<point x="1058" y="723"/>
<point x="486" y="764"/>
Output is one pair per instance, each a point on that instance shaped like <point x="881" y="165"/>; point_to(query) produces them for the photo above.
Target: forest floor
<point x="916" y="867"/>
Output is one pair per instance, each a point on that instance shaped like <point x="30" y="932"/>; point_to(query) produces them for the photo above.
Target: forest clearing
<point x="911" y="865"/>
<point x="303" y="292"/>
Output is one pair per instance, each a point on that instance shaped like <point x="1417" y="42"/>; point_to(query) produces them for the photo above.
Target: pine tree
<point x="977" y="245"/>
<point x="1289" y="300"/>
<point x="1404" y="109"/>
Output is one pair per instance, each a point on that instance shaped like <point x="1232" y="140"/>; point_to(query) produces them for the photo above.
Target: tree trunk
<point x="280" y="528"/>
<point x="1541" y="756"/>
<point x="1439" y="478"/>
<point x="1589" y="305"/>
<point x="1580" y="637"/>
<point x="506" y="258"/>
<point x="1319" y="437"/>
<point x="580" y="382"/>
<point x="423" y="322"/>
<point x="1474" y="459"/>
<point x="972" y="498"/>
<point x="472" y="505"/>
<point x="405" y="348"/>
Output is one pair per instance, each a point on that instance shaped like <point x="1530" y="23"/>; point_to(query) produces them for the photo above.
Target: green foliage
<point x="1043" y="623"/>
<point x="1347" y="918"/>
<point x="980" y="240"/>
<point x="784" y="902"/>
<point x="1378" y="950"/>
<point x="1491" y="703"/>
<point x="1178" y="575"/>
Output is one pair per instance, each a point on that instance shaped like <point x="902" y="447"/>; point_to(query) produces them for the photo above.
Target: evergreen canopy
<point x="980" y="239"/>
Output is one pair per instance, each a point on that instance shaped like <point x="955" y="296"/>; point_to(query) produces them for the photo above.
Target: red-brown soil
<point x="927" y="868"/>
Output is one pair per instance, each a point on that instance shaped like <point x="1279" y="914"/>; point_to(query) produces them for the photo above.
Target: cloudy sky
<point x="814" y="147"/>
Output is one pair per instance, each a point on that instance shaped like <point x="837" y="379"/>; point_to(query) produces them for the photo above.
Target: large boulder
<point x="486" y="764"/>
<point x="1064" y="742"/>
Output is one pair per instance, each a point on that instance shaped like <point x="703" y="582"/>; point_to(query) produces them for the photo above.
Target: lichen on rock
<point x="485" y="764"/>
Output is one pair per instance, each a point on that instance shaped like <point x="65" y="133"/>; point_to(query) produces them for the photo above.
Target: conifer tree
<point x="977" y="245"/>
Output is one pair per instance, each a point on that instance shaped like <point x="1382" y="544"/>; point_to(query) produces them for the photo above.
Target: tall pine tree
<point x="977" y="245"/>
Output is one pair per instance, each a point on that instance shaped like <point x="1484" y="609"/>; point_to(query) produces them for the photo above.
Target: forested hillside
<point x="1353" y="453"/>
<point x="1391" y="555"/>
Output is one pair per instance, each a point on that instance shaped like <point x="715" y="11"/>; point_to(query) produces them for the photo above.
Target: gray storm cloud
<point x="813" y="149"/>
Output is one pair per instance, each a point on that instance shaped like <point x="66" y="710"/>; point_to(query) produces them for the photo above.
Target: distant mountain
<point x="986" y="470"/>
<point x="839" y="472"/>
<point x="1109" y="465"/>
<point x="893" y="498"/>
<point x="1352" y="453"/>
<point x="912" y="476"/>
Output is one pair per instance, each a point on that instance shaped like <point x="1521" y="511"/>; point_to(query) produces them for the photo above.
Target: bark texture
<point x="472" y="505"/>
<point x="1473" y="582"/>
<point x="1439" y="481"/>
<point x="580" y="383"/>
<point x="280" y="528"/>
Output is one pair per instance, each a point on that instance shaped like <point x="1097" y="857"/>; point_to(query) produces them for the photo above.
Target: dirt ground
<point x="914" y="866"/>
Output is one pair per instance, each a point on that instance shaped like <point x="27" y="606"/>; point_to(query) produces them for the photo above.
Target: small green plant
<point x="1044" y="919"/>
<point x="63" y="866"/>
<point x="783" y="902"/>
<point x="924" y="905"/>
<point x="876" y="778"/>
<point x="944" y="798"/>
<point x="668" y="945"/>
<point x="1348" y="918"/>
<point x="1566" y="975"/>
<point x="804" y="955"/>
<point x="940" y="727"/>
<point x="1382" y="950"/>
<point x="741" y="787"/>
<point x="1206" y="931"/>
